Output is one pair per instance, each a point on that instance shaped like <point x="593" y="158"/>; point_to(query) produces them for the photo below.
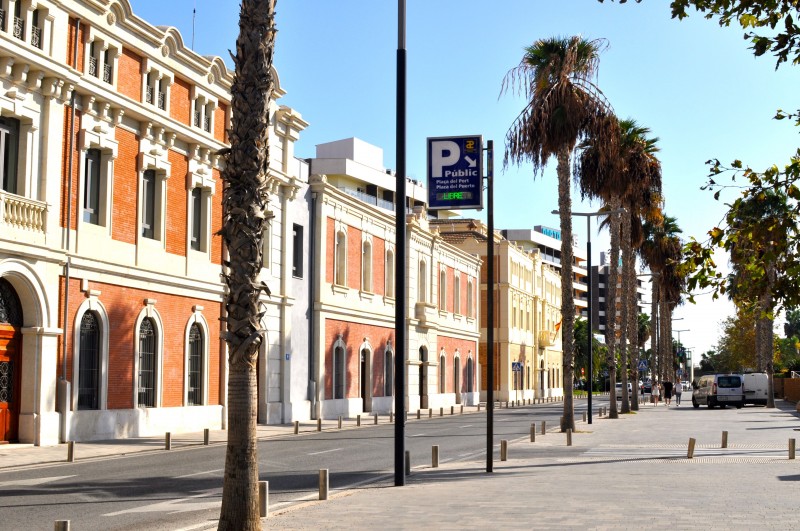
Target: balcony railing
<point x="19" y="28"/>
<point x="36" y="37"/>
<point x="207" y="123"/>
<point x="2" y="19"/>
<point x="198" y="118"/>
<point x="108" y="73"/>
<point x="148" y="95"/>
<point x="547" y="338"/>
<point x="93" y="66"/>
<point x="22" y="213"/>
<point x="162" y="101"/>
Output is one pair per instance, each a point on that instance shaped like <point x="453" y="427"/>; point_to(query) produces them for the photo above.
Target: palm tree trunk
<point x="625" y="335"/>
<point x="665" y="343"/>
<point x="765" y="347"/>
<point x="611" y="309"/>
<point x="244" y="199"/>
<point x="567" y="295"/>
<point x="654" y="328"/>
<point x="633" y="327"/>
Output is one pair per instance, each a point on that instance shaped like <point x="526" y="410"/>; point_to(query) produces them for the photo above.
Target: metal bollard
<point x="358" y="420"/>
<point x="263" y="498"/>
<point x="479" y="406"/>
<point x="340" y="422"/>
<point x="435" y="456"/>
<point x="296" y="427"/>
<point x="462" y="409"/>
<point x="376" y="418"/>
<point x="544" y="428"/>
<point x="452" y="410"/>
<point x="408" y="463"/>
<point x="569" y="436"/>
<point x="441" y="412"/>
<point x="61" y="525"/>
<point x="323" y="483"/>
<point x="70" y="457"/>
<point x="430" y="412"/>
<point x="206" y="436"/>
<point x="690" y="452"/>
<point x="319" y="424"/>
<point x="533" y="432"/>
<point x="168" y="441"/>
<point x="419" y="414"/>
<point x="391" y="417"/>
<point x="503" y="450"/>
<point x="724" y="439"/>
<point x="791" y="448"/>
<point x="584" y="416"/>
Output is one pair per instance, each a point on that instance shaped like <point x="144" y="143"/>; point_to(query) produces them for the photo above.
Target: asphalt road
<point x="181" y="489"/>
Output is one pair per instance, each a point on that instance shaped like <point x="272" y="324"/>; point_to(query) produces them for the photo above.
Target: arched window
<point x="338" y="372"/>
<point x="195" y="366"/>
<point x="340" y="264"/>
<point x="422" y="282"/>
<point x="388" y="372"/>
<point x="457" y="294"/>
<point x="147" y="363"/>
<point x="89" y="363"/>
<point x="443" y="290"/>
<point x="366" y="267"/>
<point x="470" y="311"/>
<point x="442" y="381"/>
<point x="390" y="280"/>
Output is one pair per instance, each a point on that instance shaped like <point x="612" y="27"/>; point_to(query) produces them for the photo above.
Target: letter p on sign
<point x="443" y="153"/>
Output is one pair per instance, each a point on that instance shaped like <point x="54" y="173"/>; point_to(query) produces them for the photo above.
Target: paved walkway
<point x="627" y="473"/>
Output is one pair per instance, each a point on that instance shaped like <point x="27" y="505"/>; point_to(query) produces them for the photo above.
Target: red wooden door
<point x="10" y="373"/>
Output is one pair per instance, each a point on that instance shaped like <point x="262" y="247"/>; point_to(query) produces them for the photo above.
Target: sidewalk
<point x="626" y="473"/>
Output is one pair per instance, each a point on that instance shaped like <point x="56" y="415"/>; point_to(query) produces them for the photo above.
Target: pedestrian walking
<point x="667" y="393"/>
<point x="678" y="392"/>
<point x="655" y="391"/>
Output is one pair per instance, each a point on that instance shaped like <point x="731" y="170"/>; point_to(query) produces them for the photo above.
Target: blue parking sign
<point x="455" y="173"/>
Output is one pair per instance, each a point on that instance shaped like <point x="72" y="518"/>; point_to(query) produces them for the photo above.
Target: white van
<point x="719" y="390"/>
<point x="756" y="388"/>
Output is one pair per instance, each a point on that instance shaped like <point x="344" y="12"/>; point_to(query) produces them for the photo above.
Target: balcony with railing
<point x="36" y="37"/>
<point x="108" y="73"/>
<point x="207" y="123"/>
<point x="93" y="66"/>
<point x="162" y="101"/>
<point x="21" y="213"/>
<point x="19" y="28"/>
<point x="547" y="338"/>
<point x="371" y="199"/>
<point x="198" y="118"/>
<point x="2" y="19"/>
<point x="148" y="95"/>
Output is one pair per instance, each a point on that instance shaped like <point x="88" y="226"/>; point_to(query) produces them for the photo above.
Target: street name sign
<point x="455" y="173"/>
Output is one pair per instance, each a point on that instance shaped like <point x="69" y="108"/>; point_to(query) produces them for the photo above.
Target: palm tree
<point x="660" y="244"/>
<point x="761" y="239"/>
<point x="564" y="106"/>
<point x="244" y="200"/>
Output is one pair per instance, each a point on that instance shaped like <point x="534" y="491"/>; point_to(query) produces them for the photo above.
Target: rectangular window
<point x="297" y="251"/>
<point x="9" y="145"/>
<point x="149" y="204"/>
<point x="91" y="187"/>
<point x="92" y="60"/>
<point x="197" y="219"/>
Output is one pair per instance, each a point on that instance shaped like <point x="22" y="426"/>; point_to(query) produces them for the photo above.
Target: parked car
<point x="719" y="390"/>
<point x="756" y="388"/>
<point x="619" y="389"/>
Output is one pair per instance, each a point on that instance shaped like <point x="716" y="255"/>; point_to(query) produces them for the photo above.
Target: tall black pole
<point x="490" y="311"/>
<point x="589" y="347"/>
<point x="401" y="297"/>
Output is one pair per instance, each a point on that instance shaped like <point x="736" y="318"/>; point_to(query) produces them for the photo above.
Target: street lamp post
<point x="590" y="338"/>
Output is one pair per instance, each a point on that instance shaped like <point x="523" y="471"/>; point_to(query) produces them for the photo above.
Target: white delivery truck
<point x="755" y="388"/>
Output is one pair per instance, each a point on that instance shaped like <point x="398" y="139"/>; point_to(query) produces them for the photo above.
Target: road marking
<point x="199" y="473"/>
<point x="326" y="451"/>
<point x="32" y="482"/>
<point x="418" y="435"/>
<point x="467" y="426"/>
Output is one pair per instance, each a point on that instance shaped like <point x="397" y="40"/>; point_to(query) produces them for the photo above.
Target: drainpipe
<point x="63" y="384"/>
<point x="312" y="267"/>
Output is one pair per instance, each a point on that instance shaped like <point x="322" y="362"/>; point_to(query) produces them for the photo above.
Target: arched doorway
<point x="10" y="361"/>
<point x="457" y="378"/>
<point x="366" y="381"/>
<point x="423" y="381"/>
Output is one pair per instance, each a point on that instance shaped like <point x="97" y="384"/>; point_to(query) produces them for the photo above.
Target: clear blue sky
<point x="695" y="85"/>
